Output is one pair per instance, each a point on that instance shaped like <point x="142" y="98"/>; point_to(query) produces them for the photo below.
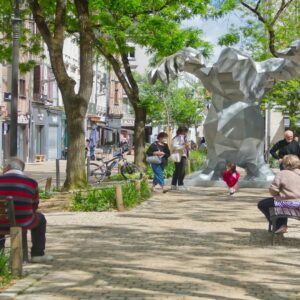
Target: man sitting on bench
<point x="24" y="191"/>
<point x="284" y="189"/>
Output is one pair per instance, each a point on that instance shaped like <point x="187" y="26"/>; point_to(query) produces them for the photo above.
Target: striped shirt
<point x="24" y="190"/>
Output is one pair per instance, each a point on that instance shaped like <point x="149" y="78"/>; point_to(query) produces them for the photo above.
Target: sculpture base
<point x="219" y="183"/>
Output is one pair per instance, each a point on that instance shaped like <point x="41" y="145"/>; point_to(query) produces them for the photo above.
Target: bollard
<point x="88" y="169"/>
<point x="57" y="174"/>
<point x="119" y="198"/>
<point x="16" y="255"/>
<point x="137" y="185"/>
<point x="188" y="167"/>
<point x="48" y="185"/>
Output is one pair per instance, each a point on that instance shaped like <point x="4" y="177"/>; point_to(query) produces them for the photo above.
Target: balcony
<point x="40" y="98"/>
<point x="115" y="112"/>
<point x="127" y="120"/>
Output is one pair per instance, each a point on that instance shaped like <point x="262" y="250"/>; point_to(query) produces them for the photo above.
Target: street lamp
<point x="16" y="24"/>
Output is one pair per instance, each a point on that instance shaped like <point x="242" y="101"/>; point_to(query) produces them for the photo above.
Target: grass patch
<point x="5" y="274"/>
<point x="103" y="199"/>
<point x="47" y="195"/>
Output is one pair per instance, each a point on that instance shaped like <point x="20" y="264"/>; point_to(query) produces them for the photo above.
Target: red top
<point x="231" y="179"/>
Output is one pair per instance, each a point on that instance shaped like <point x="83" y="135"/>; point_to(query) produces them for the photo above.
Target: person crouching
<point x="231" y="177"/>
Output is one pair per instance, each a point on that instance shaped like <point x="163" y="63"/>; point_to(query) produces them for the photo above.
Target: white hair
<point x="15" y="163"/>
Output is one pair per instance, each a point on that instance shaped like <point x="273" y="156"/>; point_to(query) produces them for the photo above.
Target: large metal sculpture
<point x="234" y="127"/>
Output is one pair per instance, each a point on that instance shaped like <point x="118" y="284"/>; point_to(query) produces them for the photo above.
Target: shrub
<point x="95" y="200"/>
<point x="197" y="158"/>
<point x="105" y="198"/>
<point x="5" y="275"/>
<point x="274" y="163"/>
<point x="168" y="171"/>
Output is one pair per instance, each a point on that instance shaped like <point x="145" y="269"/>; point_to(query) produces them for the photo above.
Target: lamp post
<point x="16" y="24"/>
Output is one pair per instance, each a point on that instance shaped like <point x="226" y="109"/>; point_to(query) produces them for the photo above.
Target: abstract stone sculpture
<point x="234" y="127"/>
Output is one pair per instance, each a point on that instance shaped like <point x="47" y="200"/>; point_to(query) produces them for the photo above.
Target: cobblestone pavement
<point x="200" y="244"/>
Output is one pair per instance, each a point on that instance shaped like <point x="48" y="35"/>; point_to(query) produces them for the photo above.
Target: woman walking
<point x="161" y="149"/>
<point x="181" y="146"/>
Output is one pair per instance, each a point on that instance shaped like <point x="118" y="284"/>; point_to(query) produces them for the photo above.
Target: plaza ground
<point x="199" y="244"/>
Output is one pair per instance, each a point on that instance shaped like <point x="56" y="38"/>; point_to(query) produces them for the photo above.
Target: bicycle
<point x="103" y="169"/>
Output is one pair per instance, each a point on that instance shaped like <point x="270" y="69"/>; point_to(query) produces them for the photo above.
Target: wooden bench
<point x="281" y="212"/>
<point x="7" y="213"/>
<point x="40" y="158"/>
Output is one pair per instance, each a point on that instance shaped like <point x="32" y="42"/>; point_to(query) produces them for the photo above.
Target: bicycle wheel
<point x="131" y="171"/>
<point x="97" y="172"/>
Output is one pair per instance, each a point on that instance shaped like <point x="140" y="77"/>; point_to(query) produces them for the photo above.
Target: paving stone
<point x="198" y="244"/>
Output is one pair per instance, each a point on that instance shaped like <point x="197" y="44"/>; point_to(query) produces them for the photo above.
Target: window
<point x="116" y="93"/>
<point x="22" y="88"/>
<point x="37" y="87"/>
<point x="131" y="54"/>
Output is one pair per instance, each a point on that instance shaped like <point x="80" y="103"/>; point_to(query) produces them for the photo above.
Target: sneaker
<point x="42" y="259"/>
<point x="182" y="188"/>
<point x="152" y="188"/>
<point x="173" y="187"/>
<point x="231" y="191"/>
<point x="282" y="229"/>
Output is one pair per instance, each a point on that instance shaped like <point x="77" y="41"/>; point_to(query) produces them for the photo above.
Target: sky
<point x="213" y="29"/>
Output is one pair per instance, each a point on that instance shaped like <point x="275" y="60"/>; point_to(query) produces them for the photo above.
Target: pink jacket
<point x="286" y="185"/>
<point x="231" y="179"/>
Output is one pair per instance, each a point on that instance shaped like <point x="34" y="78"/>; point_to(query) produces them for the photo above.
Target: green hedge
<point x="103" y="199"/>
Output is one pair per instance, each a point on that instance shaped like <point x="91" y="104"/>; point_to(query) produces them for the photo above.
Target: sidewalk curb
<point x="21" y="285"/>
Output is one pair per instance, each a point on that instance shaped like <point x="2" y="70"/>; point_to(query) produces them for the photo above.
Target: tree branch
<point x="283" y="6"/>
<point x="257" y="4"/>
<point x="269" y="26"/>
<point x="117" y="67"/>
<point x="255" y="11"/>
<point x="86" y="49"/>
<point x="60" y="15"/>
<point x="40" y="21"/>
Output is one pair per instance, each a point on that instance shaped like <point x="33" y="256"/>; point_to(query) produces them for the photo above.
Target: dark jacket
<point x="284" y="148"/>
<point x="164" y="148"/>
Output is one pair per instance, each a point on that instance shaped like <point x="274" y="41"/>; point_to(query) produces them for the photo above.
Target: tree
<point x="152" y="24"/>
<point x="172" y="105"/>
<point x="270" y="25"/>
<point x="110" y="27"/>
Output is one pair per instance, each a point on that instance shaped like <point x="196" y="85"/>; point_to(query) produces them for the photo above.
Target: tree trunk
<point x="139" y="135"/>
<point x="76" y="170"/>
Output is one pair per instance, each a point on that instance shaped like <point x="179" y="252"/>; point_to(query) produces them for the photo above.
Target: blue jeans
<point x="158" y="170"/>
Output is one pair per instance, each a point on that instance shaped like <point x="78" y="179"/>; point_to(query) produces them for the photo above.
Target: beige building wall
<point x="277" y="127"/>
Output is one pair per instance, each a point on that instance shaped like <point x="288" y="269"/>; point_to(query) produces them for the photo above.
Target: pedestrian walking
<point x="160" y="150"/>
<point x="286" y="146"/>
<point x="181" y="146"/>
<point x="284" y="190"/>
<point x="87" y="146"/>
<point x="231" y="177"/>
<point x="24" y="191"/>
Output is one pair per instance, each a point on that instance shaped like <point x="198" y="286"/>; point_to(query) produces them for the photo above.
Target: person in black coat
<point x="284" y="147"/>
<point x="161" y="149"/>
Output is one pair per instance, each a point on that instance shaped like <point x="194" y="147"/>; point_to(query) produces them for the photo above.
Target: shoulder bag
<point x="154" y="159"/>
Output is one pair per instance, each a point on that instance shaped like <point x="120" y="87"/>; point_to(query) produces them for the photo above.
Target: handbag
<point x="175" y="157"/>
<point x="153" y="159"/>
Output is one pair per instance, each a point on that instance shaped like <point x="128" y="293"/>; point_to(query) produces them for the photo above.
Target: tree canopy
<point x="111" y="28"/>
